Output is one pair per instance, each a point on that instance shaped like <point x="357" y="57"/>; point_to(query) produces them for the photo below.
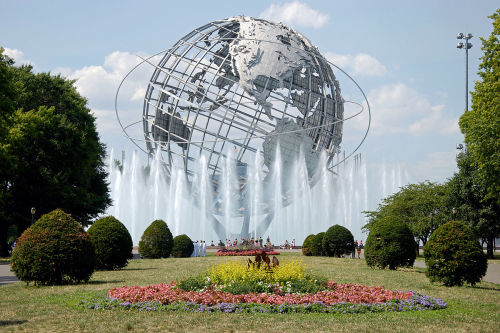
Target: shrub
<point x="156" y="241"/>
<point x="317" y="245"/>
<point x="183" y="246"/>
<point x="390" y="244"/>
<point x="306" y="246"/>
<point x="338" y="240"/>
<point x="112" y="241"/>
<point x="236" y="271"/>
<point x="54" y="250"/>
<point x="453" y="255"/>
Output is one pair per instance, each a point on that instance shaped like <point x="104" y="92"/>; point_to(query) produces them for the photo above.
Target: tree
<point x="55" y="158"/>
<point x="481" y="125"/>
<point x="421" y="206"/>
<point x="467" y="193"/>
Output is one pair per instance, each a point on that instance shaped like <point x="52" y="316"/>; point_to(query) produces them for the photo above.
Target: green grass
<point x="52" y="309"/>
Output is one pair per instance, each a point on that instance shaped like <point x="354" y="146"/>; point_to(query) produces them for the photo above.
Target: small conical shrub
<point x="306" y="246"/>
<point x="183" y="247"/>
<point x="390" y="244"/>
<point x="54" y="250"/>
<point x="453" y="255"/>
<point x="317" y="244"/>
<point x="338" y="240"/>
<point x="156" y="241"/>
<point x="112" y="241"/>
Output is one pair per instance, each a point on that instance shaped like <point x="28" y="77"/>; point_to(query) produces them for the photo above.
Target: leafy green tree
<point x="466" y="192"/>
<point x="50" y="141"/>
<point x="420" y="206"/>
<point x="481" y="125"/>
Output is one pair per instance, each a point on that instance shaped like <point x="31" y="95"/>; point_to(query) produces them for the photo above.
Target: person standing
<point x="204" y="249"/>
<point x="361" y="246"/>
<point x="354" y="249"/>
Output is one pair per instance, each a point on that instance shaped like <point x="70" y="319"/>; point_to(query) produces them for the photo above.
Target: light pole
<point x="466" y="45"/>
<point x="454" y="212"/>
<point x="33" y="211"/>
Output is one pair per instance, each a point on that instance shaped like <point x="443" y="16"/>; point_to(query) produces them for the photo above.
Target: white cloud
<point x="399" y="109"/>
<point x="18" y="56"/>
<point x="295" y="13"/>
<point x="360" y="64"/>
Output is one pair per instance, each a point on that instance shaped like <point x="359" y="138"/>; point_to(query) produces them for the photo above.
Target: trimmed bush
<point x="317" y="244"/>
<point x="112" y="241"/>
<point x="453" y="255"/>
<point x="54" y="250"/>
<point x="338" y="240"/>
<point x="306" y="246"/>
<point x="183" y="247"/>
<point x="390" y="244"/>
<point x="156" y="241"/>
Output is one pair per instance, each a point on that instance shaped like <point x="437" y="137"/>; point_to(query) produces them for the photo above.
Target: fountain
<point x="335" y="199"/>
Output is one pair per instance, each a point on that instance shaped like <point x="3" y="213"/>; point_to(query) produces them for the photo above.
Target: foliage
<point x="453" y="255"/>
<point x="466" y="192"/>
<point x="234" y="271"/>
<point x="317" y="244"/>
<point x="54" y="250"/>
<point x="338" y="240"/>
<point x="156" y="241"/>
<point x="413" y="205"/>
<point x="481" y="125"/>
<point x="183" y="246"/>
<point x="306" y="245"/>
<point x="50" y="148"/>
<point x="112" y="241"/>
<point x="390" y="244"/>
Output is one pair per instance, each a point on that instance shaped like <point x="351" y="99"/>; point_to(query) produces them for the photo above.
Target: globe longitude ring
<point x="243" y="90"/>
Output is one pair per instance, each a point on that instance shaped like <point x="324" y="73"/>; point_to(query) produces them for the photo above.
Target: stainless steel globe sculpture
<point x="238" y="87"/>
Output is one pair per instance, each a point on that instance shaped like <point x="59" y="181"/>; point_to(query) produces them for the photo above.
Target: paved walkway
<point x="6" y="276"/>
<point x="492" y="275"/>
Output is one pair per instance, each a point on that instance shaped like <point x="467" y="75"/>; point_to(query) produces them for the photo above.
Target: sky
<point x="402" y="53"/>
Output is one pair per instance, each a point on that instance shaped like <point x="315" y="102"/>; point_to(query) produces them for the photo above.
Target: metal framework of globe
<point x="243" y="90"/>
<point x="197" y="103"/>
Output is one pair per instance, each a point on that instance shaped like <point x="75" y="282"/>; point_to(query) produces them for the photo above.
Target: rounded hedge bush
<point x="317" y="244"/>
<point x="183" y="246"/>
<point x="338" y="240"/>
<point x="156" y="241"/>
<point x="54" y="250"/>
<point x="112" y="241"/>
<point x="453" y="255"/>
<point x="390" y="244"/>
<point x="306" y="246"/>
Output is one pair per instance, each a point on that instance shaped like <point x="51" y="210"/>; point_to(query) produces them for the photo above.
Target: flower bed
<point x="168" y="293"/>
<point x="236" y="286"/>
<point x="415" y="302"/>
<point x="237" y="252"/>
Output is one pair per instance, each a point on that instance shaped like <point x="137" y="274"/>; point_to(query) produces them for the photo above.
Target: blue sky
<point x="402" y="53"/>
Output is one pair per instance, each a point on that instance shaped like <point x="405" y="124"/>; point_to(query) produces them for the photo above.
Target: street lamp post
<point x="33" y="211"/>
<point x="465" y="45"/>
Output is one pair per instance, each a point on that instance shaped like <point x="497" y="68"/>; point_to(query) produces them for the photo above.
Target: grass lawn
<point x="50" y="309"/>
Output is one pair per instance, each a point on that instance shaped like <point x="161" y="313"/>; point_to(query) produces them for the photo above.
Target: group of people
<point x="357" y="248"/>
<point x="288" y="245"/>
<point x="199" y="249"/>
<point x="257" y="242"/>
